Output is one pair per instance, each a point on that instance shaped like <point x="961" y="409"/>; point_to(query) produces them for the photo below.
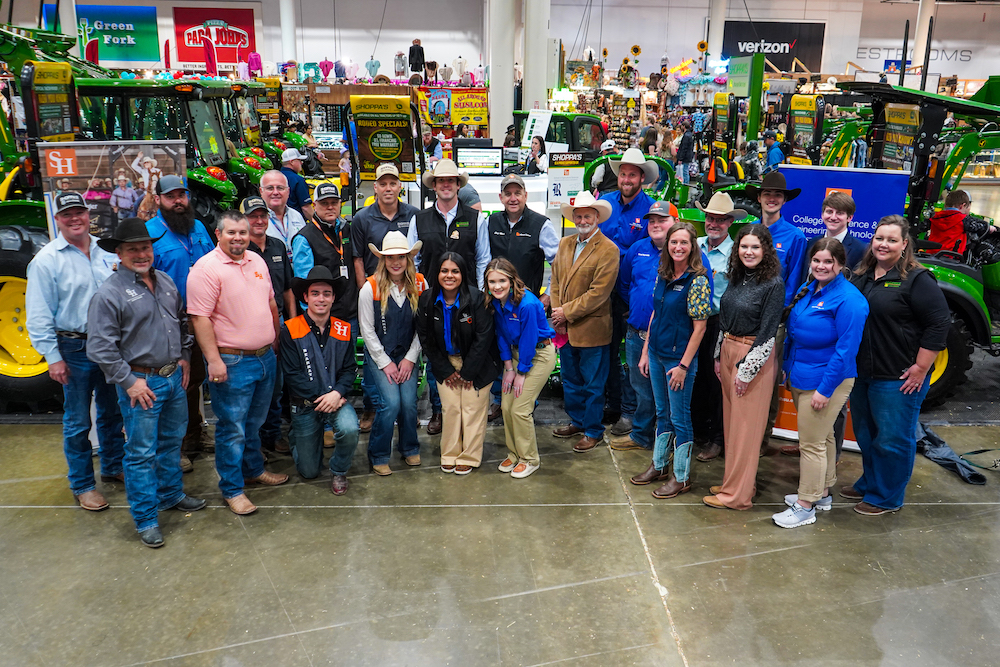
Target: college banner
<point x="780" y="42"/>
<point x="451" y="106"/>
<point x="124" y="33"/>
<point x="385" y="134"/>
<point x="231" y="31"/>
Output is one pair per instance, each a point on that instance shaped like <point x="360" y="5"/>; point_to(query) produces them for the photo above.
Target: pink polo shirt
<point x="235" y="296"/>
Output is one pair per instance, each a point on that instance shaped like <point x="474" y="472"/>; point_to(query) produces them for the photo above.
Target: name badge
<point x="343" y="272"/>
<point x="678" y="288"/>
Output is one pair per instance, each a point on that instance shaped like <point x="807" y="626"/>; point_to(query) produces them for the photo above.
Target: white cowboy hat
<point x="395" y="243"/>
<point x="635" y="156"/>
<point x="442" y="169"/>
<point x="722" y="204"/>
<point x="149" y="158"/>
<point x="586" y="200"/>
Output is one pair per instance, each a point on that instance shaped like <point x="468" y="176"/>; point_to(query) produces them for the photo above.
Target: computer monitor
<point x="471" y="142"/>
<point x="480" y="161"/>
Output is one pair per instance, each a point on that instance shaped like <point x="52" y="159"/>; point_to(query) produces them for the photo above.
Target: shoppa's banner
<point x="385" y="134"/>
<point x="876" y="192"/>
<point x="451" y="106"/>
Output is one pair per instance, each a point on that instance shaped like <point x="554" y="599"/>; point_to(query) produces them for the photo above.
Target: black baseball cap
<point x="251" y="204"/>
<point x="67" y="200"/>
<point x="326" y="191"/>
<point x="169" y="183"/>
<point x="770" y="134"/>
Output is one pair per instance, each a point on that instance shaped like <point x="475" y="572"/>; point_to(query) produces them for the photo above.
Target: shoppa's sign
<point x="230" y="30"/>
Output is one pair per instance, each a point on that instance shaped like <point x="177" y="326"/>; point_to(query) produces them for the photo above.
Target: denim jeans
<point x="241" y="404"/>
<point x="885" y="424"/>
<point x="366" y="384"/>
<point x="643" y="421"/>
<point x="684" y="168"/>
<point x="153" y="450"/>
<point x="270" y="432"/>
<point x="620" y="397"/>
<point x="307" y="439"/>
<point x="432" y="390"/>
<point x="673" y="413"/>
<point x="86" y="383"/>
<point x="584" y="372"/>
<point x="394" y="403"/>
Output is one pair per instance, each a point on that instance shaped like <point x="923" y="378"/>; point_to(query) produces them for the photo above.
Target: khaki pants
<point x="463" y="422"/>
<point x="817" y="444"/>
<point x="518" y="420"/>
<point x="775" y="406"/>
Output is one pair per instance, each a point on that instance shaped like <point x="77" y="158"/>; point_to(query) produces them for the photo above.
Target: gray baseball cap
<point x="510" y="179"/>
<point x="169" y="183"/>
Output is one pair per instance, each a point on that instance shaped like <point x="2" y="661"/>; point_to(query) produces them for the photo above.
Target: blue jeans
<point x="432" y="390"/>
<point x="619" y="395"/>
<point x="394" y="403"/>
<point x="307" y="439"/>
<point x="153" y="450"/>
<point x="584" y="372"/>
<point x="86" y="383"/>
<point x="643" y="425"/>
<point x="241" y="404"/>
<point x="885" y="424"/>
<point x="685" y="174"/>
<point x="673" y="414"/>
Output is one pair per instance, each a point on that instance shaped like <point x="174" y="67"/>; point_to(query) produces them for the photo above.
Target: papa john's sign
<point x="230" y="30"/>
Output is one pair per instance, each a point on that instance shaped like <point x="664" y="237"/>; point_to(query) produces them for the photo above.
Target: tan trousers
<point x="775" y="406"/>
<point x="463" y="422"/>
<point x="518" y="421"/>
<point x="817" y="444"/>
<point x="744" y="420"/>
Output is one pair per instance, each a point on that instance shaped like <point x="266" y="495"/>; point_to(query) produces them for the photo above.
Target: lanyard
<point x="340" y="237"/>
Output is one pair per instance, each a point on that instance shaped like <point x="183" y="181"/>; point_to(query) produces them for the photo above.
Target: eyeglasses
<point x="274" y="188"/>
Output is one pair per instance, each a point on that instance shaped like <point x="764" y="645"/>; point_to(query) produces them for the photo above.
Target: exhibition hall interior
<point x="499" y="332"/>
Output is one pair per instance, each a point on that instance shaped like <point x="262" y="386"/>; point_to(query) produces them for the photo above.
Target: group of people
<point x="273" y="306"/>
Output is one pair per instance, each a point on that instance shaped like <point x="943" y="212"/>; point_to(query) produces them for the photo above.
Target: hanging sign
<point x="52" y="103"/>
<point x="451" y="106"/>
<point x="123" y="33"/>
<point x="385" y="134"/>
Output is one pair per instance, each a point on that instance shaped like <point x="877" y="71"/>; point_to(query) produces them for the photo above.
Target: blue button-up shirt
<point x="482" y="239"/>
<point x="446" y="311"/>
<point x="626" y="224"/>
<point x="175" y="254"/>
<point x="521" y="325"/>
<point x="285" y="228"/>
<point x="637" y="280"/>
<point x="61" y="282"/>
<point x="790" y="244"/>
<point x="718" y="260"/>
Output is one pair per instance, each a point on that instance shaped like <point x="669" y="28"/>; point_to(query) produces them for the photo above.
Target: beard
<point x="180" y="222"/>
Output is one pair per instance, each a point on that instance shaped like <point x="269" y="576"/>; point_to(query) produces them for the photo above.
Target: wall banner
<point x="230" y="30"/>
<point x="779" y="41"/>
<point x="385" y="134"/>
<point x="123" y="33"/>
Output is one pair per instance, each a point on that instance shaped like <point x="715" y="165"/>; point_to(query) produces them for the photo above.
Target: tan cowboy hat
<point x="635" y="156"/>
<point x="586" y="200"/>
<point x="722" y="204"/>
<point x="442" y="169"/>
<point x="395" y="243"/>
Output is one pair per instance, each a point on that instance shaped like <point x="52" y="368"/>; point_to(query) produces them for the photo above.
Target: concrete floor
<point x="571" y="566"/>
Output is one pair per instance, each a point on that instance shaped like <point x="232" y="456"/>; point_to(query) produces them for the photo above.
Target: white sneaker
<point x="507" y="465"/>
<point x="521" y="474"/>
<point x="796" y="516"/>
<point x="823" y="504"/>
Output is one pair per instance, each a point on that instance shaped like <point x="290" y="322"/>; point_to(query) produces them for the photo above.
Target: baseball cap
<point x="169" y="183"/>
<point x="770" y="134"/>
<point x="386" y="168"/>
<point x="251" y="204"/>
<point x="67" y="200"/>
<point x="326" y="191"/>
<point x="608" y="145"/>
<point x="663" y="208"/>
<point x="290" y="154"/>
<point x="512" y="179"/>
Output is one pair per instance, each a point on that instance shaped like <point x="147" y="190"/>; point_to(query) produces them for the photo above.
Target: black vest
<point x="325" y="254"/>
<point x="520" y="244"/>
<point x="610" y="181"/>
<point x="460" y="237"/>
<point x="395" y="328"/>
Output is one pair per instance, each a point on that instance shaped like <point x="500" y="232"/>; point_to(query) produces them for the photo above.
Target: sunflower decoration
<point x="624" y="61"/>
<point x="604" y="53"/>
<point x="636" y="50"/>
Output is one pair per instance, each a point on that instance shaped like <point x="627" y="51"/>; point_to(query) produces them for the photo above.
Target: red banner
<point x="231" y="31"/>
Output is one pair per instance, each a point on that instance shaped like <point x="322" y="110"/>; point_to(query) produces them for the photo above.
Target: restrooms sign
<point x="780" y="42"/>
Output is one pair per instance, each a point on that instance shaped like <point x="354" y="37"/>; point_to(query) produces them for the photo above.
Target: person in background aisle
<point x="682" y="301"/>
<point x="317" y="361"/>
<point x="750" y="312"/>
<point x="231" y="303"/>
<point x="432" y="147"/>
<point x="605" y="180"/>
<point x="62" y="279"/>
<point x="625" y="226"/>
<point x="685" y="153"/>
<point x="456" y="333"/>
<point x="583" y="277"/>
<point x="528" y="356"/>
<point x="824" y="327"/>
<point x="182" y="241"/>
<point x="139" y="338"/>
<point x="774" y="154"/>
<point x="387" y="309"/>
<point x="951" y="228"/>
<point x="706" y="399"/>
<point x="298" y="191"/>
<point x="284" y="222"/>
<point x="907" y="326"/>
<point x="668" y="152"/>
<point x="469" y="196"/>
<point x="648" y="143"/>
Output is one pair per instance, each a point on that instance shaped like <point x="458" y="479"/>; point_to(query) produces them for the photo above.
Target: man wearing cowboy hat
<point x="605" y="180"/>
<point x="62" y="278"/>
<point x="627" y="224"/>
<point x="139" y="338"/>
<point x="583" y="276"/>
<point x="298" y="191"/>
<point x="717" y="244"/>
<point x="317" y="361"/>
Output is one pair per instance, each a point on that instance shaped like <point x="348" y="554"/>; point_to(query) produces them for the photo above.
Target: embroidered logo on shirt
<point x="276" y="259"/>
<point x="454" y="234"/>
<point x="778" y="246"/>
<point x="340" y="330"/>
<point x="465" y="320"/>
<point x="259" y="276"/>
<point x="892" y="283"/>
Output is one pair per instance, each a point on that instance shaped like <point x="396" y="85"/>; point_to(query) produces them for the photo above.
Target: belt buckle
<point x="168" y="370"/>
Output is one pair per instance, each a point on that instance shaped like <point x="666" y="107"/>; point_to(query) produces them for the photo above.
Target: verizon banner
<point x="779" y="42"/>
<point x="231" y="31"/>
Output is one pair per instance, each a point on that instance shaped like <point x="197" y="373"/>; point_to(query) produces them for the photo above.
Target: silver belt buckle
<point x="168" y="370"/>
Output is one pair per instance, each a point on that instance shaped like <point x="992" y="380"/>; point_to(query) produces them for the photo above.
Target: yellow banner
<point x="803" y="103"/>
<point x="451" y="106"/>
<point x="384" y="134"/>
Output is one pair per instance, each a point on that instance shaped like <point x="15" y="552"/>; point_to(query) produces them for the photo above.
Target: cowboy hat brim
<point x="111" y="244"/>
<point x="602" y="207"/>
<point x="394" y="251"/>
<point x="650" y="170"/>
<point x="301" y="285"/>
<point x="753" y="191"/>
<point x="428" y="178"/>
<point x="736" y="214"/>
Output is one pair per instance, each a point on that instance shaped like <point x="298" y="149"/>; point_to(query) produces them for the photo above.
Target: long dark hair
<point x="836" y="250"/>
<point x="769" y="267"/>
<point x="541" y="143"/>
<point x="649" y="139"/>
<point x="464" y="293"/>
<point x="906" y="262"/>
<point x="666" y="270"/>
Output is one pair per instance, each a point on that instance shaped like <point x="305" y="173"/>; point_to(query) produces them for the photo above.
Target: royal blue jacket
<point x="637" y="278"/>
<point x="521" y="325"/>
<point x="824" y="332"/>
<point x="626" y="224"/>
<point x="790" y="243"/>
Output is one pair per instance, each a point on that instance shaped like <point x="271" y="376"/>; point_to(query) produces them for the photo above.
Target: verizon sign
<point x="780" y="42"/>
<point x="230" y="30"/>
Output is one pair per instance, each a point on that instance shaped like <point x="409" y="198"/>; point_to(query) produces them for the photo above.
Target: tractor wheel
<point x="747" y="204"/>
<point x="950" y="365"/>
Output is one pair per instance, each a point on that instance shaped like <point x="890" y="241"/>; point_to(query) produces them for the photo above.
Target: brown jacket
<point x="583" y="288"/>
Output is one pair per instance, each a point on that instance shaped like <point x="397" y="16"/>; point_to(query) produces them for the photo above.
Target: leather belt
<point x="75" y="335"/>
<point x="639" y="332"/>
<point x="245" y="353"/>
<point x="746" y="340"/>
<point x="542" y="343"/>
<point x="164" y="371"/>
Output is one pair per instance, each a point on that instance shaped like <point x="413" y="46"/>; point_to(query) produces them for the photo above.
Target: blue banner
<point x="877" y="193"/>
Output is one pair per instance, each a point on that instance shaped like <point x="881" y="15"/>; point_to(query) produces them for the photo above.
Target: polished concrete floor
<point x="571" y="566"/>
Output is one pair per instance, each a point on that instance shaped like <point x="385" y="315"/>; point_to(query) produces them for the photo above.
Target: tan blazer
<point x="583" y="288"/>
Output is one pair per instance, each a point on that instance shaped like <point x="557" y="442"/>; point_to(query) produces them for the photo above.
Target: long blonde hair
<point x="384" y="283"/>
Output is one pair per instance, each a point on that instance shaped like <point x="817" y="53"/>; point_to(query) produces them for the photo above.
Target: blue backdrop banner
<point x="876" y="192"/>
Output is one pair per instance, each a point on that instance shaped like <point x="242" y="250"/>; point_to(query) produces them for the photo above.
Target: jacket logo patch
<point x="465" y="320"/>
<point x="462" y="223"/>
<point x="892" y="283"/>
<point x="454" y="234"/>
<point x="276" y="259"/>
<point x="340" y="330"/>
<point x="524" y="234"/>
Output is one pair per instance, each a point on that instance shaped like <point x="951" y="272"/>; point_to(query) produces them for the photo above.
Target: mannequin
<point x="254" y="62"/>
<point x="399" y="65"/>
<point x="242" y="71"/>
<point x="372" y="66"/>
<point x="460" y="66"/>
<point x="325" y="66"/>
<point x="478" y="76"/>
<point x="445" y="73"/>
<point x="339" y="71"/>
<point x="430" y="70"/>
<point x="352" y="70"/>
<point x="416" y="57"/>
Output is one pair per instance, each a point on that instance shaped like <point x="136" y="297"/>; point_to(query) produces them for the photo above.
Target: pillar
<point x="503" y="16"/>
<point x="67" y="23"/>
<point x="286" y="15"/>
<point x="716" y="26"/>
<point x="925" y="11"/>
<point x="536" y="36"/>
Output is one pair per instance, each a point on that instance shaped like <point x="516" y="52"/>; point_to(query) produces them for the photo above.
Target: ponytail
<point x="801" y="293"/>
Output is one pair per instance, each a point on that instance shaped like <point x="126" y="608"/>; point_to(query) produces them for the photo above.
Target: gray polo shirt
<point x="127" y="324"/>
<point x="369" y="226"/>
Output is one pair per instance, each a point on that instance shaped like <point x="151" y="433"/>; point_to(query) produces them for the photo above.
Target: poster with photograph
<point x="114" y="177"/>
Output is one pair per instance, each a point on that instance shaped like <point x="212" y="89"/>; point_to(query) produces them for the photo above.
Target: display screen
<point x="480" y="161"/>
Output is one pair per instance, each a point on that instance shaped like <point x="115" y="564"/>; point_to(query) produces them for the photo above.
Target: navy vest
<point x="672" y="327"/>
<point x="325" y="254"/>
<point x="396" y="327"/>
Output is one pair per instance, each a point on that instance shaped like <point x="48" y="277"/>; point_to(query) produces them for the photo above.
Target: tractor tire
<point x="747" y="204"/>
<point x="950" y="365"/>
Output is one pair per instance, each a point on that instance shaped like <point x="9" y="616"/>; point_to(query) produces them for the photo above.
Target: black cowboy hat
<point x="319" y="274"/>
<point x="773" y="181"/>
<point x="130" y="230"/>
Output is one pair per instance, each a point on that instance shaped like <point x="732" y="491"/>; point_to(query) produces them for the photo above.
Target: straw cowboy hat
<point x="149" y="159"/>
<point x="773" y="181"/>
<point x="395" y="243"/>
<point x="443" y="169"/>
<point x="635" y="156"/>
<point x="722" y="204"/>
<point x="586" y="200"/>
